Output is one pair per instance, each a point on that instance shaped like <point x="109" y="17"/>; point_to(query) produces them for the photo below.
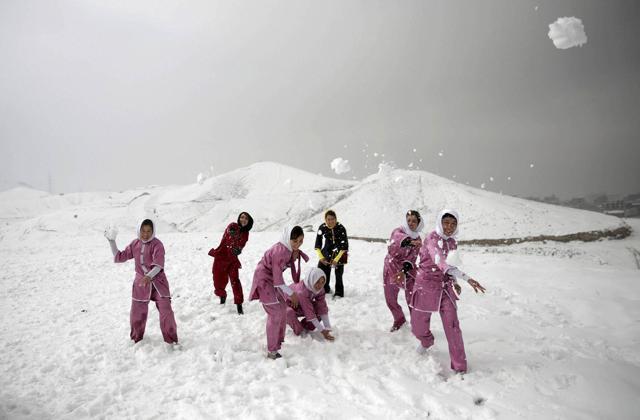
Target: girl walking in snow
<point x="334" y="251"/>
<point x="226" y="264"/>
<point x="400" y="265"/>
<point x="269" y="287"/>
<point x="434" y="289"/>
<point x="150" y="282"/>
<point x="312" y="306"/>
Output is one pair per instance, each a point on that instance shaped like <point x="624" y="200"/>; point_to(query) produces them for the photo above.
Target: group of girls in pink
<point x="429" y="285"/>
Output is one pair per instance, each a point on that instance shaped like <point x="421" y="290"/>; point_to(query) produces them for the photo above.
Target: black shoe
<point x="239" y="306"/>
<point x="223" y="299"/>
<point x="273" y="355"/>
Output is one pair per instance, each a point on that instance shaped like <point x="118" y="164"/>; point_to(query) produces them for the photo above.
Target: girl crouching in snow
<point x="400" y="265"/>
<point x="269" y="287"/>
<point x="311" y="305"/>
<point x="150" y="282"/>
<point x="226" y="263"/>
<point x="433" y="290"/>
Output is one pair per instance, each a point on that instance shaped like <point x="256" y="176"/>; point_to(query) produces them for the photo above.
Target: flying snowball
<point x="567" y="32"/>
<point x="384" y="168"/>
<point x="340" y="166"/>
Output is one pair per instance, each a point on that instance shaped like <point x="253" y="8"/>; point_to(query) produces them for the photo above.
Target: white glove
<point x="111" y="232"/>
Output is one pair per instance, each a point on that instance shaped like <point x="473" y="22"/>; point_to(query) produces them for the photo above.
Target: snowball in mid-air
<point x="340" y="166"/>
<point x="567" y="32"/>
<point x="385" y="168"/>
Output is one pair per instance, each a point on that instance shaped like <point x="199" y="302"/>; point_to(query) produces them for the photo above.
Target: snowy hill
<point x="376" y="206"/>
<point x="276" y="194"/>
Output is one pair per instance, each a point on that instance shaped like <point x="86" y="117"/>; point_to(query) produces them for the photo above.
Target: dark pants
<point x="339" y="289"/>
<point x="223" y="271"/>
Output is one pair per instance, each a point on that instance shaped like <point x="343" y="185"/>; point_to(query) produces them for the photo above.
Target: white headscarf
<point x="439" y="223"/>
<point x="312" y="276"/>
<point x="153" y="233"/>
<point x="286" y="237"/>
<point x="413" y="234"/>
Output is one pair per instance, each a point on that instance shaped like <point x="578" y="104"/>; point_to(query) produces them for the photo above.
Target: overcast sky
<point x="110" y="95"/>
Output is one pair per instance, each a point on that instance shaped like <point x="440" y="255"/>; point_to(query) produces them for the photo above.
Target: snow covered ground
<point x="556" y="336"/>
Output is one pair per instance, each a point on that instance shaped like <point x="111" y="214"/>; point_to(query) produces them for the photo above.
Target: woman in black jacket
<point x="334" y="251"/>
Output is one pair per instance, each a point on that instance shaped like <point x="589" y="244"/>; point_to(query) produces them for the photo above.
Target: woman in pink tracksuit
<point x="312" y="305"/>
<point x="400" y="265"/>
<point x="268" y="284"/>
<point x="434" y="289"/>
<point x="150" y="282"/>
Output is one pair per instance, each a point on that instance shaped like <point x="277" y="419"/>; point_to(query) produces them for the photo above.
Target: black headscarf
<point x="249" y="225"/>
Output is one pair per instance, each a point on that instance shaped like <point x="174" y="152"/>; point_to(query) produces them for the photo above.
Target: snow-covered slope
<point x="276" y="194"/>
<point x="378" y="204"/>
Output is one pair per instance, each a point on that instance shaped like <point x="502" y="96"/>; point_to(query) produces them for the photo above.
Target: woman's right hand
<point x="324" y="261"/>
<point x="294" y="300"/>
<point x="399" y="278"/>
<point x="476" y="286"/>
<point x="327" y="335"/>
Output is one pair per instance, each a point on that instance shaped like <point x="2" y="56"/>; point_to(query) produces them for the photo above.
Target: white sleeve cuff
<point x="325" y="321"/>
<point x="154" y="271"/>
<point x="114" y="247"/>
<point x="286" y="289"/>
<point x="454" y="271"/>
<point x="317" y="324"/>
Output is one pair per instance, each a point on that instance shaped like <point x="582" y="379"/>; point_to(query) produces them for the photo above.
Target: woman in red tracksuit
<point x="226" y="263"/>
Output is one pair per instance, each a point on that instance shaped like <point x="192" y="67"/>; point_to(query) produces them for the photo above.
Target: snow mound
<point x="276" y="194"/>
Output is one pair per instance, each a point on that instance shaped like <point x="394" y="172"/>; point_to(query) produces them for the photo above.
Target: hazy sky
<point x="109" y="95"/>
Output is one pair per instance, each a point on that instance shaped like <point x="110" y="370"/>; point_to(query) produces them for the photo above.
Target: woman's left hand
<point x="145" y="281"/>
<point x="458" y="288"/>
<point x="476" y="286"/>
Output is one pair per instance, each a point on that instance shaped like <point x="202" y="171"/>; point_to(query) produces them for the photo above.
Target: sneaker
<point x="273" y="355"/>
<point x="239" y="306"/>
<point x="223" y="299"/>
<point x="421" y="350"/>
<point x="173" y="346"/>
<point x="397" y="325"/>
